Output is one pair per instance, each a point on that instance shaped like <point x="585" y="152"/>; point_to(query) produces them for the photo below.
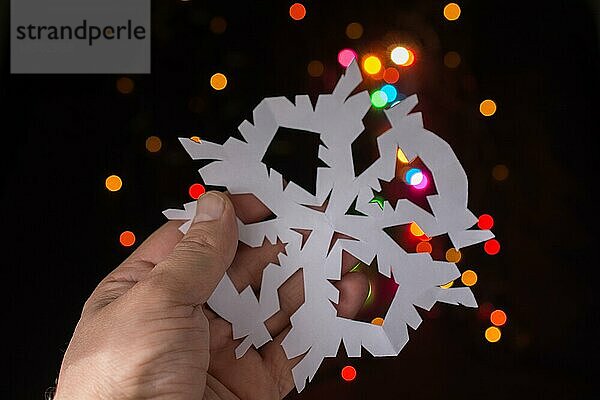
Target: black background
<point x="63" y="135"/>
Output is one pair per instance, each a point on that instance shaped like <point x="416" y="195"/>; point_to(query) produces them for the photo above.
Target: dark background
<point x="63" y="135"/>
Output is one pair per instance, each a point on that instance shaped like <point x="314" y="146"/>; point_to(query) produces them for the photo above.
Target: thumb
<point x="191" y="272"/>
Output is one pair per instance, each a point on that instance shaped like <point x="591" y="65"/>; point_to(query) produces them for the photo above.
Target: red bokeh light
<point x="196" y="190"/>
<point x="492" y="247"/>
<point x="348" y="373"/>
<point x="485" y="221"/>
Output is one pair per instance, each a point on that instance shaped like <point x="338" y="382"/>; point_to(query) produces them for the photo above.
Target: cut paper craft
<point x="316" y="330"/>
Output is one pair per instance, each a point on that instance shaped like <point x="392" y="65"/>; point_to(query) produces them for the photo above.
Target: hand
<point x="145" y="332"/>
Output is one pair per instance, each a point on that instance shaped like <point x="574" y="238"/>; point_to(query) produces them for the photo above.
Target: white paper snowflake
<point x="317" y="331"/>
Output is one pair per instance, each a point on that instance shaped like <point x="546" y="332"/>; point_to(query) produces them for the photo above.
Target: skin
<point x="146" y="332"/>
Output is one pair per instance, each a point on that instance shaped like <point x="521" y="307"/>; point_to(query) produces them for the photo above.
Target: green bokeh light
<point x="379" y="99"/>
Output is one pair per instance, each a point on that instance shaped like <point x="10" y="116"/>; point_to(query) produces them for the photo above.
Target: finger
<point x="249" y="262"/>
<point x="249" y="208"/>
<point x="353" y="292"/>
<point x="190" y="273"/>
<point x="152" y="251"/>
<point x="353" y="288"/>
<point x="136" y="267"/>
<point x="247" y="376"/>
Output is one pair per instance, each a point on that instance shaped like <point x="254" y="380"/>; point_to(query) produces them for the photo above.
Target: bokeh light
<point x="372" y="65"/>
<point x="411" y="59"/>
<point x="424" y="247"/>
<point x="377" y="321"/>
<point x="498" y="317"/>
<point x="354" y="30"/>
<point x="485" y="221"/>
<point x="413" y="176"/>
<point x="217" y="25"/>
<point x="370" y="296"/>
<point x="401" y="156"/>
<point x="125" y="85"/>
<point x="391" y="75"/>
<point x="196" y="139"/>
<point x="153" y="144"/>
<point x="113" y="183"/>
<point x="345" y="57"/>
<point x="487" y="108"/>
<point x="452" y="59"/>
<point x="469" y="278"/>
<point x="416" y="229"/>
<point x="348" y="373"/>
<point x="500" y="172"/>
<point x="297" y="11"/>
<point x="493" y="334"/>
<point x="390" y="91"/>
<point x="400" y="55"/>
<point x="379" y="99"/>
<point x="218" y="81"/>
<point x="453" y="255"/>
<point x="315" y="68"/>
<point x="492" y="247"/>
<point x="196" y="190"/>
<point x="447" y="285"/>
<point x="127" y="239"/>
<point x="423" y="184"/>
<point x="452" y="11"/>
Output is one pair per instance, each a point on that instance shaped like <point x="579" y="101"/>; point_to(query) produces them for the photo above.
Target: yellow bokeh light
<point x="315" y="68"/>
<point x="354" y="30"/>
<point x="218" y="81"/>
<point x="469" y="278"/>
<point x="372" y="65"/>
<point x="453" y="255"/>
<point x="452" y="11"/>
<point x="416" y="229"/>
<point x="401" y="156"/>
<point x="377" y="321"/>
<point x="113" y="183"/>
<point x="447" y="285"/>
<point x="153" y="144"/>
<point x="452" y="59"/>
<point x="493" y="334"/>
<point x="487" y="107"/>
<point x="196" y="139"/>
<point x="400" y="55"/>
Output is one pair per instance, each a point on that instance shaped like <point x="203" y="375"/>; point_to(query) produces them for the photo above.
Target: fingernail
<point x="210" y="207"/>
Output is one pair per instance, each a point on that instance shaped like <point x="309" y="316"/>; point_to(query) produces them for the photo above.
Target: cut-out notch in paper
<point x="316" y="330"/>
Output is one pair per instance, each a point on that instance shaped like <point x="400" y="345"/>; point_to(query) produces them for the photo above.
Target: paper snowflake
<point x="317" y="331"/>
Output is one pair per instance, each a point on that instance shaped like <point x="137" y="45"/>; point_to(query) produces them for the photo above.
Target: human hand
<point x="146" y="332"/>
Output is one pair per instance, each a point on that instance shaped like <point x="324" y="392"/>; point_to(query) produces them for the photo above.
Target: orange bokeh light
<point x="297" y="11"/>
<point x="424" y="247"/>
<point x="493" y="334"/>
<point x="416" y="229"/>
<point x="127" y="239"/>
<point x="498" y="317"/>
<point x="411" y="59"/>
<point x="469" y="278"/>
<point x="391" y="75"/>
